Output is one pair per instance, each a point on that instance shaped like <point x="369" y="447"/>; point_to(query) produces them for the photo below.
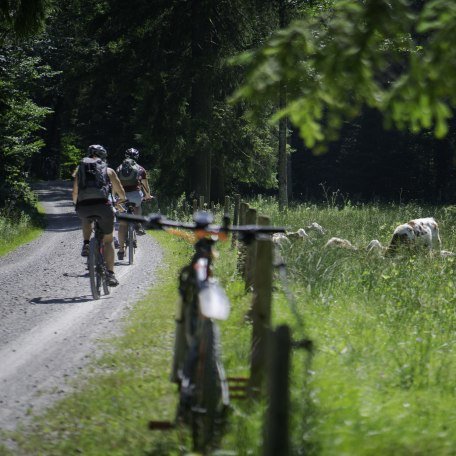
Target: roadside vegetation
<point x="19" y="227"/>
<point x="381" y="380"/>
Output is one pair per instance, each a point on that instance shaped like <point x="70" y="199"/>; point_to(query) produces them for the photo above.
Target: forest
<point x="291" y="98"/>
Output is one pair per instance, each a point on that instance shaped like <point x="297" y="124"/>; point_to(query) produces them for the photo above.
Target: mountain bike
<point x="130" y="240"/>
<point x="197" y="366"/>
<point x="95" y="261"/>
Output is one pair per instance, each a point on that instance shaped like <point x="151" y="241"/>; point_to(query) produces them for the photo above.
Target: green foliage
<point x="18" y="228"/>
<point x="71" y="155"/>
<point x="22" y="17"/>
<point x="20" y="119"/>
<point x="356" y="54"/>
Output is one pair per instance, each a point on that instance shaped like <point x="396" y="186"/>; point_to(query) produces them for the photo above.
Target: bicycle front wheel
<point x="131" y="241"/>
<point x="211" y="390"/>
<point x="94" y="270"/>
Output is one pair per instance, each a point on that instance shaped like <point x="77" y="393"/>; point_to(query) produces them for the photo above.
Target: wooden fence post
<point x="227" y="206"/>
<point x="242" y="248"/>
<point x="250" y="219"/>
<point x="237" y="202"/>
<point x="195" y="205"/>
<point x="276" y="439"/>
<point x="201" y="203"/>
<point x="261" y="310"/>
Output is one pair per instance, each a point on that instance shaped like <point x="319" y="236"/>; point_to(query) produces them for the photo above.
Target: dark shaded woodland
<point x="157" y="76"/>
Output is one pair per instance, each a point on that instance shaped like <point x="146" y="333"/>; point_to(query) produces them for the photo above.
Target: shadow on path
<point x="73" y="300"/>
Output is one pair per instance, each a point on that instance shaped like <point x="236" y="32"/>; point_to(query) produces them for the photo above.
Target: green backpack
<point x="128" y="172"/>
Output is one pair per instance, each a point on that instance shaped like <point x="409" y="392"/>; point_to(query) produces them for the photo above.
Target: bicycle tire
<point x="211" y="398"/>
<point x="130" y="243"/>
<point x="104" y="271"/>
<point x="94" y="274"/>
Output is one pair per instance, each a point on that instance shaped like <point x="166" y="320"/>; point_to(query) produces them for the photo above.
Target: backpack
<point x="93" y="181"/>
<point x="128" y="172"/>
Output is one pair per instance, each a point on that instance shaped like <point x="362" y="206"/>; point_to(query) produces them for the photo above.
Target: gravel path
<point x="49" y="324"/>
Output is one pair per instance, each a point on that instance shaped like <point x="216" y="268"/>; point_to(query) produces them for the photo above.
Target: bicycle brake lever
<point x="153" y="221"/>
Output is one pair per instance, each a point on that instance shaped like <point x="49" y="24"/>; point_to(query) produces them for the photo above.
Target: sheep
<point x="375" y="246"/>
<point x="340" y="243"/>
<point x="280" y="239"/>
<point x="422" y="232"/>
<point x="301" y="233"/>
<point x="317" y="228"/>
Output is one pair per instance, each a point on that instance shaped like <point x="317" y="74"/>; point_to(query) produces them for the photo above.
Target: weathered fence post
<point x="276" y="439"/>
<point x="195" y="205"/>
<point x="261" y="310"/>
<point x="227" y="206"/>
<point x="201" y="203"/>
<point x="249" y="268"/>
<point x="242" y="248"/>
<point x="237" y="202"/>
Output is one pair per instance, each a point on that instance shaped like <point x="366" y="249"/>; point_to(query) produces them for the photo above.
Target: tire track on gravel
<point x="49" y="324"/>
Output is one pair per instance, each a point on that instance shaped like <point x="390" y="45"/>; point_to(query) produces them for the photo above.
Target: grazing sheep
<point x="375" y="246"/>
<point x="280" y="239"/>
<point x="423" y="232"/>
<point x="301" y="233"/>
<point x="340" y="243"/>
<point x="317" y="228"/>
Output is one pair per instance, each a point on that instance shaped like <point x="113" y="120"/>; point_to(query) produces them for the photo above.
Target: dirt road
<point x="49" y="324"/>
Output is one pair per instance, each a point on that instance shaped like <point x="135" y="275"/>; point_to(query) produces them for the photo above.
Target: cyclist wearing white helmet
<point x="91" y="189"/>
<point x="133" y="178"/>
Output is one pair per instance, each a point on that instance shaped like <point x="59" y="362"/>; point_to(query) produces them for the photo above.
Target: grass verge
<point x="20" y="230"/>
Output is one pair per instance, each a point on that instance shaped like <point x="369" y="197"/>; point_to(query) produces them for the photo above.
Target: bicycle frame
<point x="96" y="262"/>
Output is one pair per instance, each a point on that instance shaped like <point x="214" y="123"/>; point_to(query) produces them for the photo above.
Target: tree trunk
<point x="203" y="54"/>
<point x="282" y="161"/>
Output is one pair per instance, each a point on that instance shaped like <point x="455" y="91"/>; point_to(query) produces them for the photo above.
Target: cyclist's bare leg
<point x="109" y="251"/>
<point x="86" y="229"/>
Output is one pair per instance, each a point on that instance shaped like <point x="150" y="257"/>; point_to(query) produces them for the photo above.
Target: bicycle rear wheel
<point x="103" y="269"/>
<point x="211" y="390"/>
<point x="131" y="239"/>
<point x="94" y="270"/>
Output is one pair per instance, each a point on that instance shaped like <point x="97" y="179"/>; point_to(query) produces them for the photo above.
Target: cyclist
<point x="91" y="189"/>
<point x="133" y="177"/>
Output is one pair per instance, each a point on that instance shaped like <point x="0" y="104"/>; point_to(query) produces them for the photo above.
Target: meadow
<point x="380" y="381"/>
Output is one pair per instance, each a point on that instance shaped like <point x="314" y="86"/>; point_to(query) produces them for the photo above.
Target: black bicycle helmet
<point x="97" y="150"/>
<point x="132" y="153"/>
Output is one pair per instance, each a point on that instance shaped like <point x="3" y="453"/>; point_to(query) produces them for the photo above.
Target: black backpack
<point x="93" y="180"/>
<point x="128" y="172"/>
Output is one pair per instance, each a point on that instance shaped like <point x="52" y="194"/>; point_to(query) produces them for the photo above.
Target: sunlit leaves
<point x="387" y="56"/>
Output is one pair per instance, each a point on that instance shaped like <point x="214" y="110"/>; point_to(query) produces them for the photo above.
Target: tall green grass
<point x="382" y="377"/>
<point x="17" y="229"/>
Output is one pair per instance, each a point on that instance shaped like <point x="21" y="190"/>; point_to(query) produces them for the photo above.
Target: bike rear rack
<point x="161" y="425"/>
<point x="238" y="388"/>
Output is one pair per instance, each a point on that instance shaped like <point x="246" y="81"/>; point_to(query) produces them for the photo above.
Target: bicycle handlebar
<point x="159" y="222"/>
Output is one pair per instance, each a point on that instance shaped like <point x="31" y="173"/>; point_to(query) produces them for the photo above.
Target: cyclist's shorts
<point x="103" y="211"/>
<point x="134" y="197"/>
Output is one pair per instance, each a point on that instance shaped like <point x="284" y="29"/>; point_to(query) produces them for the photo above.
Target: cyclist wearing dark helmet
<point x="133" y="178"/>
<point x="91" y="190"/>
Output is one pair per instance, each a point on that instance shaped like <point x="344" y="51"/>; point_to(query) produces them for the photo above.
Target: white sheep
<point x="340" y="243"/>
<point x="317" y="228"/>
<point x="419" y="232"/>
